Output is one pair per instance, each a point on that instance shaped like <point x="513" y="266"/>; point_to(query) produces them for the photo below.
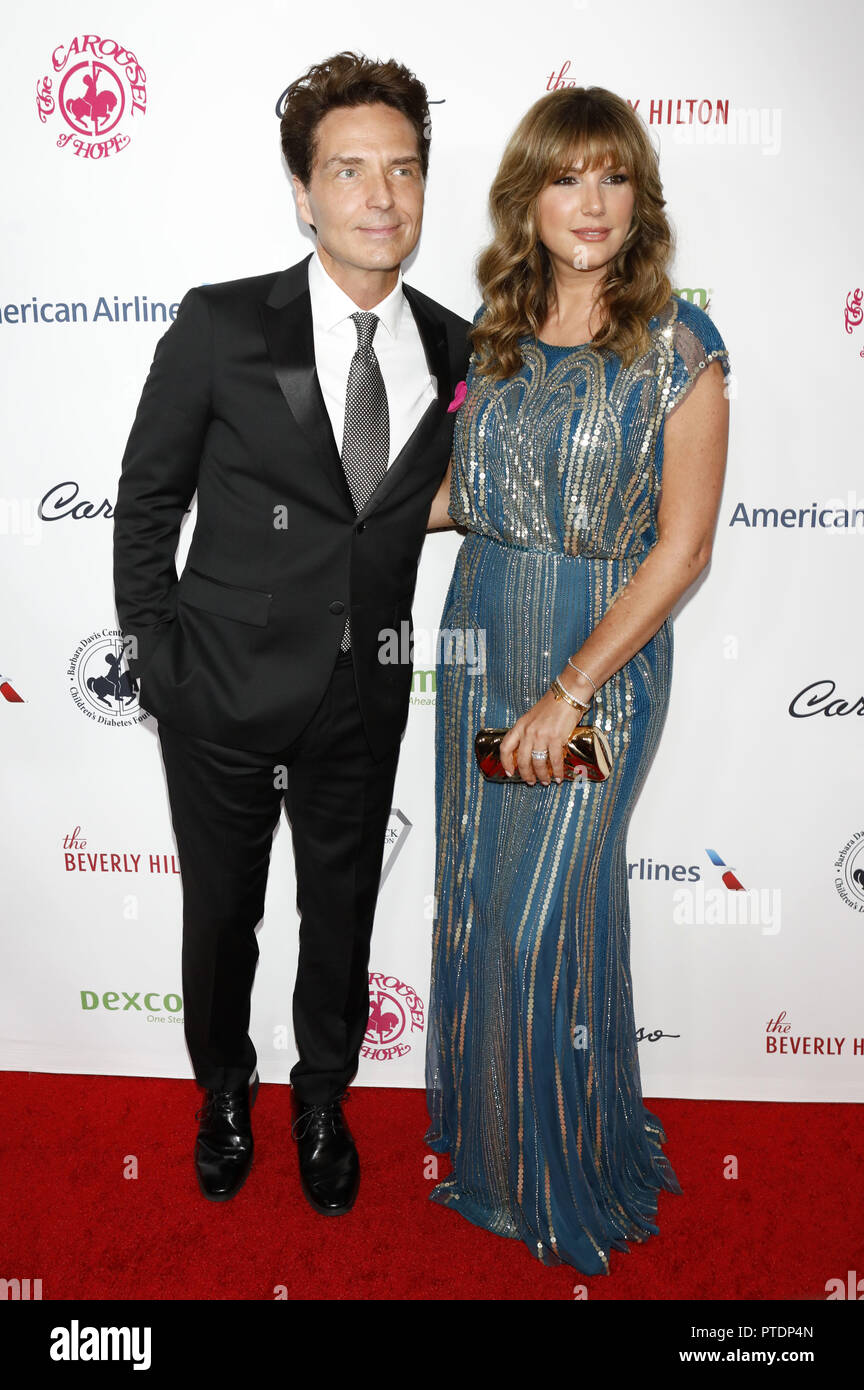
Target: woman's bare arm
<point x="438" y="515"/>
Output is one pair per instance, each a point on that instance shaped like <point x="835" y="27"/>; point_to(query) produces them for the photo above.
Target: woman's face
<point x="583" y="218"/>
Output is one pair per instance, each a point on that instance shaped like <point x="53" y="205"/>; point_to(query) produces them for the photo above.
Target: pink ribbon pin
<point x="458" y="397"/>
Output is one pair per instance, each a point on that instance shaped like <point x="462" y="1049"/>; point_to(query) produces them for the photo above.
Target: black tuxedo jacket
<point x="239" y="650"/>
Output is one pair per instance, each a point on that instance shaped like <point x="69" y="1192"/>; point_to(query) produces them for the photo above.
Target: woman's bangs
<point x="600" y="149"/>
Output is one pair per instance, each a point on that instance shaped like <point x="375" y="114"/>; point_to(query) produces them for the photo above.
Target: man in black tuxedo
<point x="309" y="408"/>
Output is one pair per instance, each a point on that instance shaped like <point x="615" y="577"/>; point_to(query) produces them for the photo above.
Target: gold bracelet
<point x="560" y="693"/>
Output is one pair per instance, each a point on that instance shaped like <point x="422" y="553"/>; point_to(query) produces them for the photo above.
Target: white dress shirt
<point x="398" y="346"/>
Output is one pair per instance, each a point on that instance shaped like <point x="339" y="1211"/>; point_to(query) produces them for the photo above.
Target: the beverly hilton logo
<point x="853" y="312"/>
<point x="96" y="94"/>
<point x="395" y="1013"/>
<point x="100" y="683"/>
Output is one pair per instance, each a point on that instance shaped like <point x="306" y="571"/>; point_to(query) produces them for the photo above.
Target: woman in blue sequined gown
<point x="533" y="1080"/>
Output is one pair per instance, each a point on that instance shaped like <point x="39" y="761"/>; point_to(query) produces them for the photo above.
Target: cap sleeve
<point x="469" y="376"/>
<point x="697" y="344"/>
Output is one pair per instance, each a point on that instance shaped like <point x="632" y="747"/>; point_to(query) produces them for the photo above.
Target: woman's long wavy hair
<point x="514" y="272"/>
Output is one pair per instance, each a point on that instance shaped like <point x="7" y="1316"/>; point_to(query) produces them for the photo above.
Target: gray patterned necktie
<point x="366" y="437"/>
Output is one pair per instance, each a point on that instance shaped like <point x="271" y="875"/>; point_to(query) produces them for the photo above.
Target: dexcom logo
<point x="159" y="1008"/>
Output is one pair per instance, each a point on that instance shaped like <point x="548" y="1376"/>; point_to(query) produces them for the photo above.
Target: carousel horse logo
<point x="386" y="1018"/>
<point x="101" y="96"/>
<point x="395" y="1012"/>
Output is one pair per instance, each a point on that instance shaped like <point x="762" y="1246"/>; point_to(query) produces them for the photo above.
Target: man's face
<point x="365" y="191"/>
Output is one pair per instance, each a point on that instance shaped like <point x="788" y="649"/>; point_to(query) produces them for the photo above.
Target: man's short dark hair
<point x="348" y="79"/>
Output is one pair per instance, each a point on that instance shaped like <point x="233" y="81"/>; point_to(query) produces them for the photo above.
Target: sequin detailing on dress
<point x="532" y="1071"/>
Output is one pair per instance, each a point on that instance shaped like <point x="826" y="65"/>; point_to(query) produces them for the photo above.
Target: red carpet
<point x="789" y="1222"/>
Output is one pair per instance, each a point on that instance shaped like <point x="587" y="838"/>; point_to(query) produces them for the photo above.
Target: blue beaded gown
<point x="532" y="1071"/>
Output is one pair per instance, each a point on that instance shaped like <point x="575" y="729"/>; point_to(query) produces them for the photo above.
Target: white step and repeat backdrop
<point x="746" y="851"/>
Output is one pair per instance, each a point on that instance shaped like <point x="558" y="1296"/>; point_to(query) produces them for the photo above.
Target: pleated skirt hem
<point x="581" y="1252"/>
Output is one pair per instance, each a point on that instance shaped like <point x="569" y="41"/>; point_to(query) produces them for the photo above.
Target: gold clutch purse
<point x="586" y="755"/>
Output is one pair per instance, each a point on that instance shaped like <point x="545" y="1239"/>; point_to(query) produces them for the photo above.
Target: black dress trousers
<point x="225" y="806"/>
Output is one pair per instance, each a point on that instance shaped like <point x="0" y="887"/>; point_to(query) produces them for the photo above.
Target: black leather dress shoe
<point x="329" y="1166"/>
<point x="223" y="1149"/>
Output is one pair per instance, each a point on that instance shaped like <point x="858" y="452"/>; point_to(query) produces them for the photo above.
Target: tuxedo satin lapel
<point x="290" y="342"/>
<point x="433" y="336"/>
